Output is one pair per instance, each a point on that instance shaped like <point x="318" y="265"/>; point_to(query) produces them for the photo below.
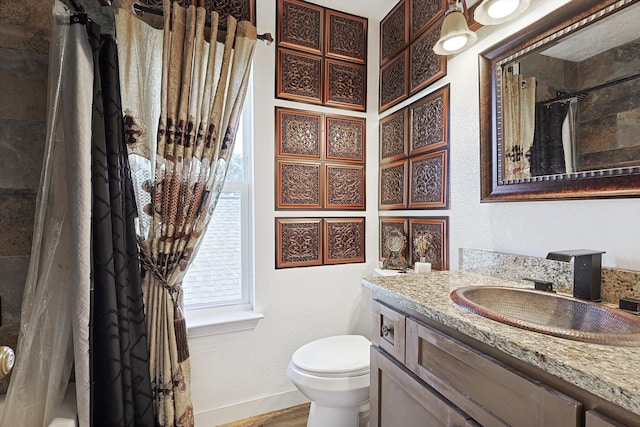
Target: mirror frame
<point x="607" y="183"/>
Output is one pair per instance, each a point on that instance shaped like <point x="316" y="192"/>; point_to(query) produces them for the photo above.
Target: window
<point x="221" y="273"/>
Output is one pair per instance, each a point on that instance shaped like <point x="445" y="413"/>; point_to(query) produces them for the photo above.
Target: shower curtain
<point x="120" y="387"/>
<point x="55" y="308"/>
<point x="518" y="109"/>
<point x="547" y="152"/>
<point x="82" y="303"/>
<point x="182" y="96"/>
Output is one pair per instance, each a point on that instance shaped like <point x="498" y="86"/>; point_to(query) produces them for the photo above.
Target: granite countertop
<point x="612" y="373"/>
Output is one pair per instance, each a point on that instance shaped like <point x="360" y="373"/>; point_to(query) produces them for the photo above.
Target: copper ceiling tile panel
<point x="426" y="66"/>
<point x="298" y="185"/>
<point x="388" y="224"/>
<point x="298" y="133"/>
<point x="394" y="136"/>
<point x="345" y="85"/>
<point x="437" y="231"/>
<point x="344" y="187"/>
<point x="300" y="26"/>
<point x="299" y="76"/>
<point x="394" y="32"/>
<point x="346" y="36"/>
<point x="343" y="240"/>
<point x="298" y="242"/>
<point x="345" y="137"/>
<point x="393" y="185"/>
<point x="394" y="81"/>
<point x="429" y="118"/>
<point x="242" y="10"/>
<point x="428" y="181"/>
<point x="423" y="13"/>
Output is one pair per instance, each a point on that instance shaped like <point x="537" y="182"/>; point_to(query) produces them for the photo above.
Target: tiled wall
<point x="616" y="283"/>
<point x="24" y="43"/>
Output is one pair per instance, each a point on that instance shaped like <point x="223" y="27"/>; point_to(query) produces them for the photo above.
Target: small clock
<point x="395" y="243"/>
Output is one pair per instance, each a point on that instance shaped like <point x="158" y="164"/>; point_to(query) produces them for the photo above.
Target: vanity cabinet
<point x="441" y="381"/>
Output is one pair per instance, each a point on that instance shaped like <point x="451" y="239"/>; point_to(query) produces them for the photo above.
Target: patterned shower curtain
<point x="182" y="96"/>
<point x="518" y="109"/>
<point x="120" y="381"/>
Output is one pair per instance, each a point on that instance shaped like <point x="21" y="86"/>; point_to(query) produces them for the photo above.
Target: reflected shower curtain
<point x="55" y="308"/>
<point x="547" y="152"/>
<point x="182" y="97"/>
<point x="518" y="109"/>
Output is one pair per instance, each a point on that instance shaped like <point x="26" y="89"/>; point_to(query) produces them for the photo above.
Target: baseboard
<point x="251" y="408"/>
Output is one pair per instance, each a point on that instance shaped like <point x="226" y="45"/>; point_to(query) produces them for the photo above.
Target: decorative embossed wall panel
<point x="298" y="242"/>
<point x="393" y="184"/>
<point x="300" y="25"/>
<point x="345" y="137"/>
<point x="344" y="240"/>
<point x="345" y="85"/>
<point x="429" y="118"/>
<point x="394" y="81"/>
<point x="394" y="136"/>
<point x="425" y="65"/>
<point x="394" y="31"/>
<point x="428" y="182"/>
<point x="242" y="10"/>
<point x="437" y="230"/>
<point x="316" y="172"/>
<point x="322" y="56"/>
<point x="299" y="76"/>
<point x="346" y="36"/>
<point x="299" y="185"/>
<point x="423" y="13"/>
<point x="388" y="224"/>
<point x="298" y="133"/>
<point x="344" y="187"/>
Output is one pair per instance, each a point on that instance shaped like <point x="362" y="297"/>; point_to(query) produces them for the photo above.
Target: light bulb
<point x="454" y="43"/>
<point x="501" y="8"/>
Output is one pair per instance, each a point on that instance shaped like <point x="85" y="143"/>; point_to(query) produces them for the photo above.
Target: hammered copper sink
<point x="551" y="314"/>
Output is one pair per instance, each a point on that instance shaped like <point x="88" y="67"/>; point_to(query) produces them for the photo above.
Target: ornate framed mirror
<point x="560" y="106"/>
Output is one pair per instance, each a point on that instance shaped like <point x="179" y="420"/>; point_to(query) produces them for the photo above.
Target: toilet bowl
<point x="333" y="373"/>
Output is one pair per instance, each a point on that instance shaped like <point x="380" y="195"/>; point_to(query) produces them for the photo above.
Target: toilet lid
<point x="342" y="354"/>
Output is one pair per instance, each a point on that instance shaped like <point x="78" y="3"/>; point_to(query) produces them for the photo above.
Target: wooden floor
<point x="295" y="416"/>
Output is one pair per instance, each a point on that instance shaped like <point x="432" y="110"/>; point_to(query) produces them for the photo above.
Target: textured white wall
<point x="237" y="375"/>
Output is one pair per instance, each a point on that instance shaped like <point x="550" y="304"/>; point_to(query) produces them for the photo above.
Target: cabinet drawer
<point x="489" y="391"/>
<point x="399" y="399"/>
<point x="388" y="330"/>
<point x="596" y="419"/>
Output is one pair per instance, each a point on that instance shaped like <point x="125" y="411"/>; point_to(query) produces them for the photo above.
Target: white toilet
<point x="333" y="373"/>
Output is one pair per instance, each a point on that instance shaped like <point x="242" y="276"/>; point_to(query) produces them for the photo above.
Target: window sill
<point x="213" y="321"/>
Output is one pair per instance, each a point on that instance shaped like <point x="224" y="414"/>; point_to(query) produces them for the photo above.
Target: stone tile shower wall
<point x="616" y="283"/>
<point x="24" y="43"/>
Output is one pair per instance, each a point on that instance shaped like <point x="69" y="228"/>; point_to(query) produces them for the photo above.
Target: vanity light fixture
<point x="494" y="12"/>
<point x="455" y="35"/>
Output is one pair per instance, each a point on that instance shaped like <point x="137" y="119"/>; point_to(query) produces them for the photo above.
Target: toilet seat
<point x="336" y="356"/>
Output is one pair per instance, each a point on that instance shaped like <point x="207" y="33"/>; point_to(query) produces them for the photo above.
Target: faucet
<point x="587" y="271"/>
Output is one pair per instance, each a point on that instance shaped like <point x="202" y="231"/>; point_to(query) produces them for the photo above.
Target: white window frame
<point x="235" y="315"/>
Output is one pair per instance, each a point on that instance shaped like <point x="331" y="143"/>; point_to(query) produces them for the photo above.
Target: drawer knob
<point x="386" y="330"/>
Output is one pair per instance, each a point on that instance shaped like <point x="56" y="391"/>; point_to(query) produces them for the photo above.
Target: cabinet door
<point x="491" y="392"/>
<point x="399" y="399"/>
<point x="388" y="330"/>
<point x="596" y="419"/>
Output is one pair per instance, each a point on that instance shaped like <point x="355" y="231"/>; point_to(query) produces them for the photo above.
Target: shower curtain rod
<point x="581" y="94"/>
<point x="141" y="8"/>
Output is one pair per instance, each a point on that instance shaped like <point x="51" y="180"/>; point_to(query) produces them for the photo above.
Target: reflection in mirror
<point x="574" y="105"/>
<point x="562" y="112"/>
